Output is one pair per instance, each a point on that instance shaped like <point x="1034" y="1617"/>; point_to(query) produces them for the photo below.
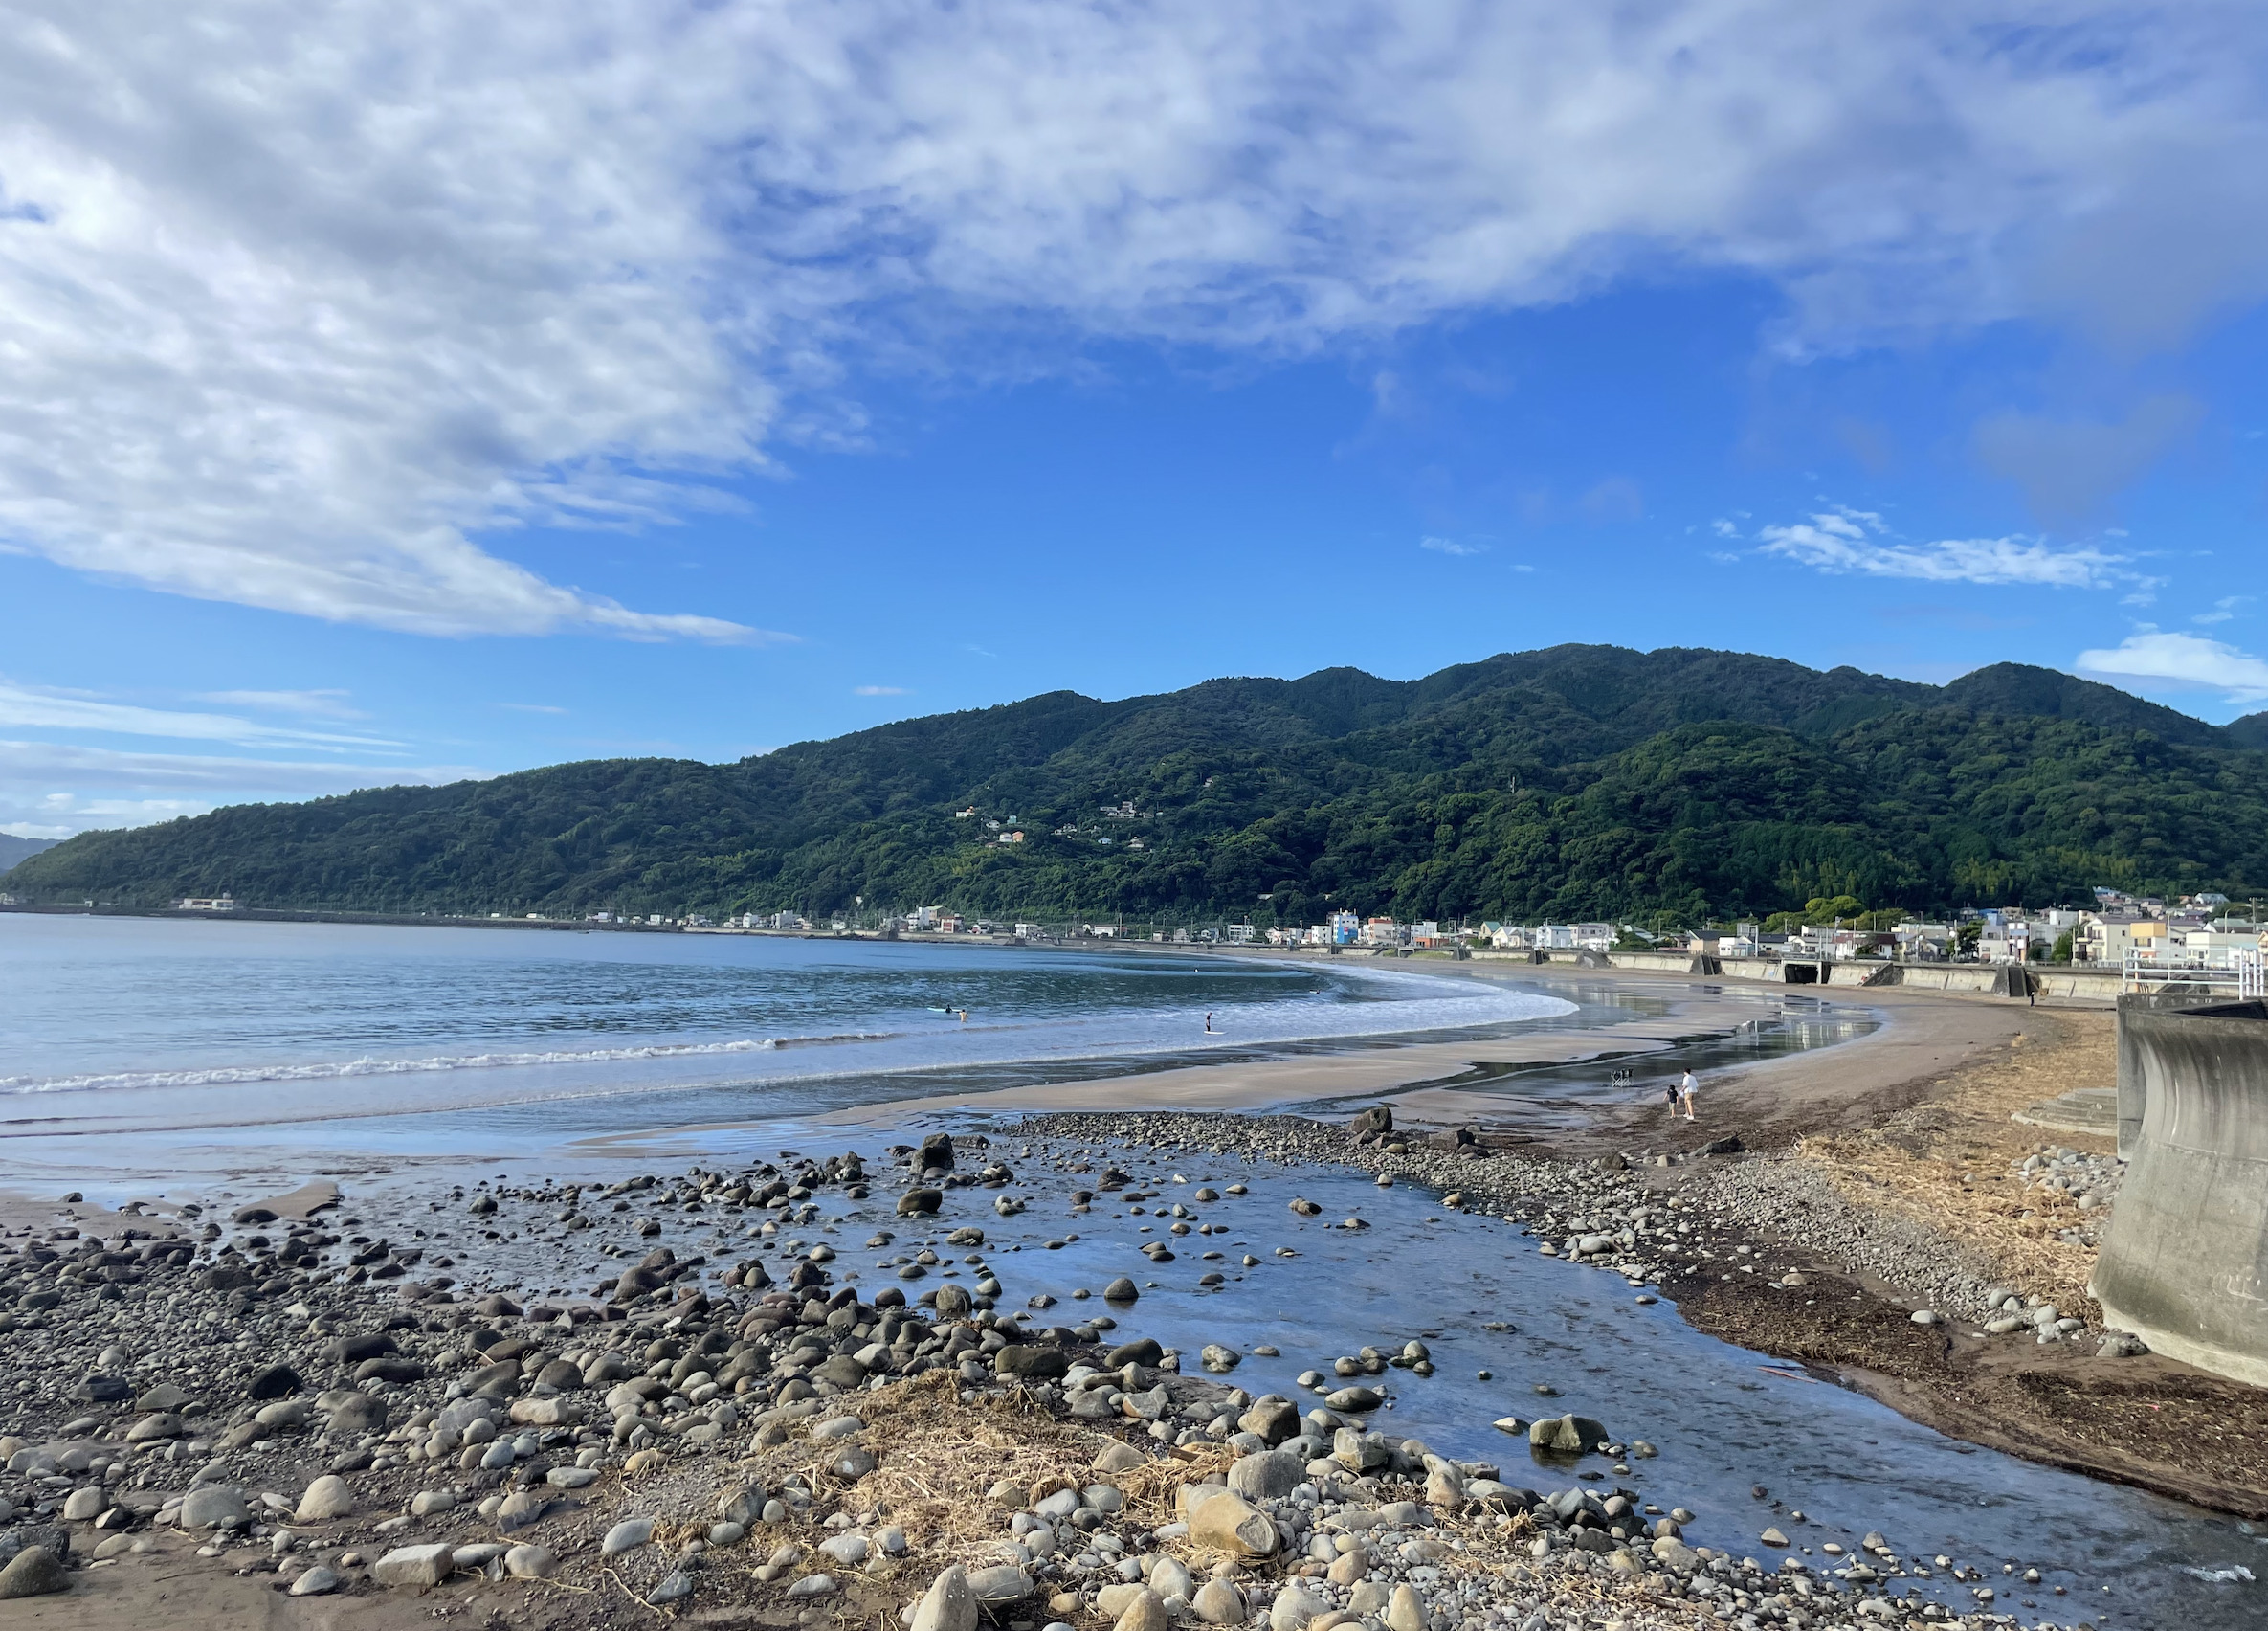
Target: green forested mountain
<point x="1581" y="781"/>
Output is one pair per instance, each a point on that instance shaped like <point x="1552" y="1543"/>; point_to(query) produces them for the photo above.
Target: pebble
<point x="627" y="1535"/>
<point x="317" y="1581"/>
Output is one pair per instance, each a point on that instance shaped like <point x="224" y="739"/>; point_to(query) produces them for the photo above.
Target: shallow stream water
<point x="1724" y="1420"/>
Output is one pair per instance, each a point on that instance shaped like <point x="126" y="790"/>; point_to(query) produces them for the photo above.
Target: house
<point x="2007" y="939"/>
<point x="2106" y="937"/>
<point x="1027" y="931"/>
<point x="1381" y="932"/>
<point x="1346" y="928"/>
<point x="1014" y="837"/>
<point x="207" y="904"/>
<point x="1240" y="934"/>
<point x="1924" y="942"/>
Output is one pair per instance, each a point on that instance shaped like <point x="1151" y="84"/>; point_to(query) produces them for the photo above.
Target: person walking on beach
<point x="1685" y="1086"/>
<point x="1669" y="1091"/>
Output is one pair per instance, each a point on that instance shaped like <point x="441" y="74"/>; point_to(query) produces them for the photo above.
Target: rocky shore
<point x="334" y="1406"/>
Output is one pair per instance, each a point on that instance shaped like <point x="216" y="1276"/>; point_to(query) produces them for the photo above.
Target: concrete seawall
<point x="2057" y="982"/>
<point x="2185" y="1263"/>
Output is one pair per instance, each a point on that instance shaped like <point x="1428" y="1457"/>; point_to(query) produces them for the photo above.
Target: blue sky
<point x="403" y="393"/>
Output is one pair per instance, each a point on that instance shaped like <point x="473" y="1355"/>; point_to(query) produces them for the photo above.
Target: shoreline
<point x="957" y="1424"/>
<point x="1915" y="1037"/>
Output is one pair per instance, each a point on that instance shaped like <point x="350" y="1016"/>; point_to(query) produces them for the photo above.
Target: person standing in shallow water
<point x="1685" y="1087"/>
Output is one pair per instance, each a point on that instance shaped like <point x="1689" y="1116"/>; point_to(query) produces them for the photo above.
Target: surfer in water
<point x="1208" y="1029"/>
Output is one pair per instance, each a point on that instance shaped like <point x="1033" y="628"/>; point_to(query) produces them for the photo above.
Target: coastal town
<point x="2202" y="931"/>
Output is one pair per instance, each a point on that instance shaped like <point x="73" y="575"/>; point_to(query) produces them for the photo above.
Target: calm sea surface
<point x="143" y="1024"/>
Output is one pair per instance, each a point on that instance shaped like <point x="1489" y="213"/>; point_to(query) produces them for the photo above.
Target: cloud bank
<point x="311" y="308"/>
<point x="1858" y="541"/>
<point x="52" y="790"/>
<point x="2182" y="660"/>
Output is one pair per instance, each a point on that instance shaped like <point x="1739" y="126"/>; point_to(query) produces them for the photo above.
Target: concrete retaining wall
<point x="2185" y="1263"/>
<point x="2051" y="981"/>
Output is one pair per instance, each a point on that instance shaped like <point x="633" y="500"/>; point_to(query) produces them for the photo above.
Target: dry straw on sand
<point x="1946" y="1164"/>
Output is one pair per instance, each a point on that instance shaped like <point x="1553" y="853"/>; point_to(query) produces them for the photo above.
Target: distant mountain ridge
<point x="1577" y="781"/>
<point x="13" y="849"/>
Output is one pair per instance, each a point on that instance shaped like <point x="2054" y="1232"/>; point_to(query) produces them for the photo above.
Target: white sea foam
<point x="343" y="1069"/>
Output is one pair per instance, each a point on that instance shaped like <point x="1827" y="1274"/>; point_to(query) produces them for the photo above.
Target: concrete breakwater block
<point x="2185" y="1266"/>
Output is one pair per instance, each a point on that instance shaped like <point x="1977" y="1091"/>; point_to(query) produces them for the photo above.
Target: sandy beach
<point x="1916" y="1038"/>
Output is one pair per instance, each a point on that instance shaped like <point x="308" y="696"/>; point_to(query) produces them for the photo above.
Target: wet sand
<point x="1917" y="1039"/>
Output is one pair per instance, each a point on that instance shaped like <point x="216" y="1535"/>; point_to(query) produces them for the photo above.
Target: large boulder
<point x="277" y="1381"/>
<point x="1227" y="1522"/>
<point x="1274" y="1419"/>
<point x="358" y="1414"/>
<point x="936" y="1154"/>
<point x="1001" y="1584"/>
<point x="1374" y="1122"/>
<point x="33" y="1571"/>
<point x="920" y="1202"/>
<point x="1031" y="1359"/>
<point x="325" y="1499"/>
<point x="1567" y="1435"/>
<point x="354" y="1350"/>
<point x="1268" y="1476"/>
<point x="415" y="1565"/>
<point x="213" y="1506"/>
<point x="948" y="1605"/>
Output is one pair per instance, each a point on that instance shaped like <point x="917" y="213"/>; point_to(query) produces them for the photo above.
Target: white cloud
<point x="39" y="708"/>
<point x="879" y="692"/>
<point x="532" y="707"/>
<point x="315" y="704"/>
<point x="51" y="790"/>
<point x="2224" y="609"/>
<point x="2182" y="660"/>
<point x="1451" y="546"/>
<point x="308" y="308"/>
<point x="1859" y="541"/>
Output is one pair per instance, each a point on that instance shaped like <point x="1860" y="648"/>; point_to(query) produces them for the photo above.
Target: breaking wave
<point x="222" y="1076"/>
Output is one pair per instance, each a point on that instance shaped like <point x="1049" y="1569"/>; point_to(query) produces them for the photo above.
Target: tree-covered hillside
<point x="1582" y="781"/>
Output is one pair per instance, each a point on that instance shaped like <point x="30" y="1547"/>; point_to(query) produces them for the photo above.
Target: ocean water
<point x="137" y="1025"/>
